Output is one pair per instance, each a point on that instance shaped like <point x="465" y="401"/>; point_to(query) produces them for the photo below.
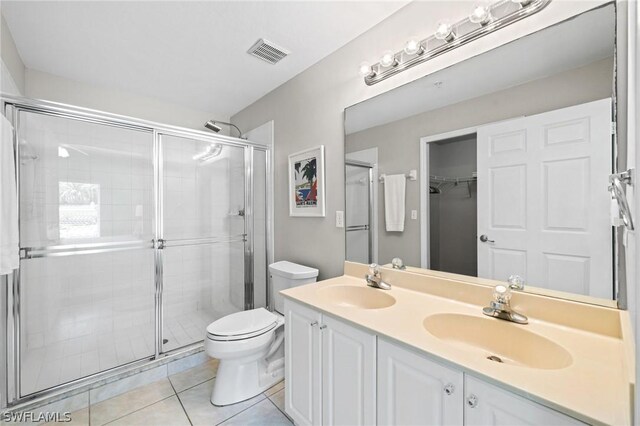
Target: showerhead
<point x="211" y="125"/>
<point x="214" y="125"/>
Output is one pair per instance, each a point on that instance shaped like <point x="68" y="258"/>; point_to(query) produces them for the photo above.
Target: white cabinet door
<point x="543" y="201"/>
<point x="302" y="364"/>
<point x="413" y="390"/>
<point x="488" y="405"/>
<point x="348" y="374"/>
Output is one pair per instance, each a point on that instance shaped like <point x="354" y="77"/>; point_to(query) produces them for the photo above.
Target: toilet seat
<point x="242" y="325"/>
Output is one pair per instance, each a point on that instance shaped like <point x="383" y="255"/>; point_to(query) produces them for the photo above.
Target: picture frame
<point x="306" y="183"/>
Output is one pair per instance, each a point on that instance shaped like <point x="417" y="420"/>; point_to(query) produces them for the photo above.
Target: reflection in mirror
<point x="514" y="148"/>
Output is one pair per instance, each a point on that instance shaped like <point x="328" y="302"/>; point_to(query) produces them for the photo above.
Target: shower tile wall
<point x="202" y="198"/>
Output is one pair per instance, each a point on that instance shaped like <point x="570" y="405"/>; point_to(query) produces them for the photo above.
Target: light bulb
<point x="62" y="152"/>
<point x="444" y="31"/>
<point x="413" y="46"/>
<point x="366" y="70"/>
<point x="388" y="59"/>
<point x="480" y="15"/>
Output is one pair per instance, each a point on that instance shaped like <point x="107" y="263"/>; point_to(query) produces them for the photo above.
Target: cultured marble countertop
<point x="597" y="387"/>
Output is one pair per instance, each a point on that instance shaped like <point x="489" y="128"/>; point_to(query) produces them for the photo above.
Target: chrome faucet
<point x="374" y="279"/>
<point x="500" y="306"/>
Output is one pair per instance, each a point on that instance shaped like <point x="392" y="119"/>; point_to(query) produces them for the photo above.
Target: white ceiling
<point x="572" y="44"/>
<point x="192" y="53"/>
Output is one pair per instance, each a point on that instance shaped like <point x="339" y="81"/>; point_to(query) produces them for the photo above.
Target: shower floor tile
<point x="61" y="360"/>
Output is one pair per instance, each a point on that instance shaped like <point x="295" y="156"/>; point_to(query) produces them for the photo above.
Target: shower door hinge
<point x="614" y="128"/>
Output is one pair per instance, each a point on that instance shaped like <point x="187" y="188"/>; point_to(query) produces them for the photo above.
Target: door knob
<point x="486" y="239"/>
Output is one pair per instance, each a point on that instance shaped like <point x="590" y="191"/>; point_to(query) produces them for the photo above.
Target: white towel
<point x="8" y="201"/>
<point x="394" y="192"/>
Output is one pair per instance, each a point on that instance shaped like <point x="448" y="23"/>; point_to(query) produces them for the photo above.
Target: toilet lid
<point x="242" y="325"/>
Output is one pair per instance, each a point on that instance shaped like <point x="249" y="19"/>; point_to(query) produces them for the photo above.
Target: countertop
<point x="597" y="387"/>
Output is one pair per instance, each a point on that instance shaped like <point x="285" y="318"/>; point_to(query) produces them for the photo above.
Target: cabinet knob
<point x="449" y="389"/>
<point x="322" y="327"/>
<point x="472" y="401"/>
<point x="313" y="324"/>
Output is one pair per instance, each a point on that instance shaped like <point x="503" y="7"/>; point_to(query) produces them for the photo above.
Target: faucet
<point x="500" y="306"/>
<point x="374" y="279"/>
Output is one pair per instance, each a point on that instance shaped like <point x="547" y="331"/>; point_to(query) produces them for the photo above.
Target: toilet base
<point x="236" y="382"/>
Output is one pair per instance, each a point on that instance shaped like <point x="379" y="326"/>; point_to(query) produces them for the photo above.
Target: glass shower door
<point x="86" y="280"/>
<point x="358" y="212"/>
<point x="202" y="234"/>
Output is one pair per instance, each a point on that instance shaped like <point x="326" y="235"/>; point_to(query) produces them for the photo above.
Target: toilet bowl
<point x="249" y="344"/>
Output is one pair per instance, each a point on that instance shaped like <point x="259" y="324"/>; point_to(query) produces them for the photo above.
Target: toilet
<point x="249" y="344"/>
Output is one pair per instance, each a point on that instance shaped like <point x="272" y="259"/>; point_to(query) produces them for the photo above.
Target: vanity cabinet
<point x="330" y="370"/>
<point x="413" y="390"/>
<point x="338" y="374"/>
<point x="486" y="404"/>
<point x="302" y="364"/>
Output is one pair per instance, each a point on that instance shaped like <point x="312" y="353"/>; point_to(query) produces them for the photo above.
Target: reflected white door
<point x="543" y="203"/>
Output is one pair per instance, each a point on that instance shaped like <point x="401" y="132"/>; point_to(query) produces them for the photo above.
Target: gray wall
<point x="398" y="142"/>
<point x="11" y="58"/>
<point x="308" y="110"/>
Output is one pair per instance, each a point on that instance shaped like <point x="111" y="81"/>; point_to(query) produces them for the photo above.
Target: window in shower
<point x="79" y="211"/>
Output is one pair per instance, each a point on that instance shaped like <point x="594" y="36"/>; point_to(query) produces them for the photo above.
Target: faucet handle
<point x="397" y="263"/>
<point x="516" y="282"/>
<point x="374" y="269"/>
<point x="501" y="294"/>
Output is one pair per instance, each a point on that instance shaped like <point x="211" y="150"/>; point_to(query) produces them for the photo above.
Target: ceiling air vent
<point x="267" y="51"/>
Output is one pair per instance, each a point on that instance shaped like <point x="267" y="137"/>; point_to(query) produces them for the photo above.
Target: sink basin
<point x="499" y="341"/>
<point x="357" y="297"/>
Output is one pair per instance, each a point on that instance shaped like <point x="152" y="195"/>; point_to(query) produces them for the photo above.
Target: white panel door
<point x="302" y="364"/>
<point x="488" y="405"/>
<point x="413" y="390"/>
<point x="543" y="201"/>
<point x="348" y="374"/>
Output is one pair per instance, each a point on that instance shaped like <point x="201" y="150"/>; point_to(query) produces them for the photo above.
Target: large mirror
<point x="496" y="166"/>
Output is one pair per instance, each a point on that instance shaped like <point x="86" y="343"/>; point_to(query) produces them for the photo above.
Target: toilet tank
<point x="285" y="275"/>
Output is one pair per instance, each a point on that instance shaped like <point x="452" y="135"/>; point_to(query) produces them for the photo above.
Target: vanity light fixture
<point x="388" y="59"/>
<point x="413" y="47"/>
<point x="481" y="14"/>
<point x="444" y="31"/>
<point x="366" y="70"/>
<point x="485" y="18"/>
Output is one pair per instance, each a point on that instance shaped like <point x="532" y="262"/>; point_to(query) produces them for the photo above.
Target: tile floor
<point x="183" y="399"/>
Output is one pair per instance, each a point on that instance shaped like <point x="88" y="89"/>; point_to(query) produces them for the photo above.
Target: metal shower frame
<point x="12" y="106"/>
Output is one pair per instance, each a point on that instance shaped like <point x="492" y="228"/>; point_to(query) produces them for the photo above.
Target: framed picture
<point x="306" y="183"/>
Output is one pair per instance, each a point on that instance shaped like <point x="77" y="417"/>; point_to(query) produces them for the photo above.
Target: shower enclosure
<point x="134" y="236"/>
<point x="359" y="199"/>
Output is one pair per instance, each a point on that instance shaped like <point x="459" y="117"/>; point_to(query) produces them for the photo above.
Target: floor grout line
<point x="193" y="386"/>
<point x="251" y="406"/>
<point x="139" y="409"/>
<point x="181" y="404"/>
<point x="276" y="405"/>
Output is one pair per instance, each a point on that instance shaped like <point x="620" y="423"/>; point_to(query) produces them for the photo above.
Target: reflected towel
<point x="394" y="193"/>
<point x="8" y="201"/>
